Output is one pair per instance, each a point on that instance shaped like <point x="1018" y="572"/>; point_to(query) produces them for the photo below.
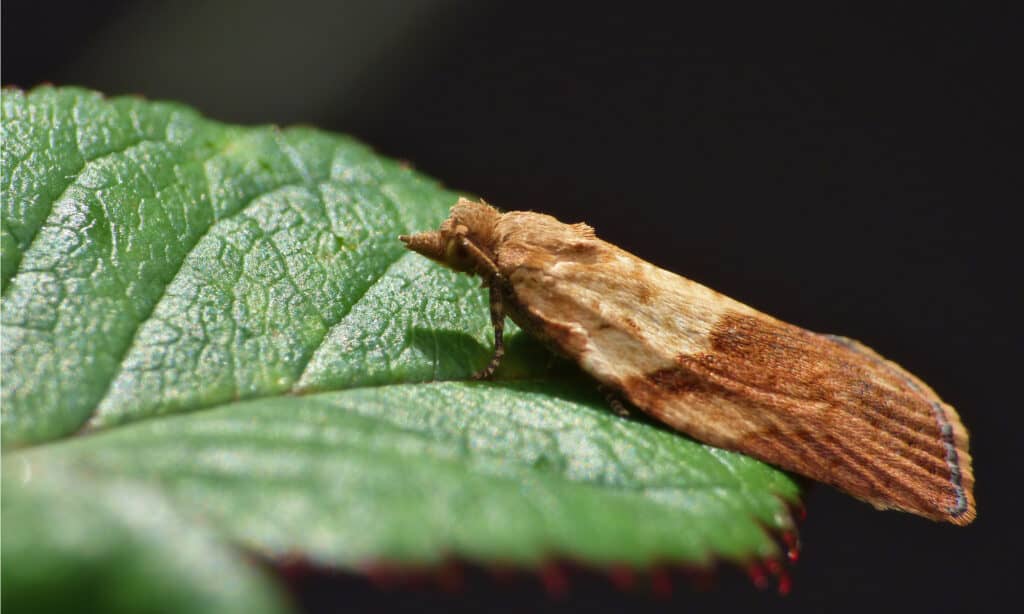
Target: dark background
<point x="851" y="170"/>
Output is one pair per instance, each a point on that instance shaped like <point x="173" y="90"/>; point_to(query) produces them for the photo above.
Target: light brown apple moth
<point x="822" y="406"/>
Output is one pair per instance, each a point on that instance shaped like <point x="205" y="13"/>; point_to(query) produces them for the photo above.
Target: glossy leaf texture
<point x="222" y="317"/>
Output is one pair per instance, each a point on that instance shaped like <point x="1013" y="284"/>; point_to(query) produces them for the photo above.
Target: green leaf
<point x="82" y="545"/>
<point x="224" y="315"/>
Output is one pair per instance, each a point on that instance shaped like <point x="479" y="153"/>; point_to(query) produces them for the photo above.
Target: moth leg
<point x="498" y="322"/>
<point x="613" y="399"/>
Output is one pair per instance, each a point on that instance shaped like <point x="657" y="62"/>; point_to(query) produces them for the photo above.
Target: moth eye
<point x="456" y="252"/>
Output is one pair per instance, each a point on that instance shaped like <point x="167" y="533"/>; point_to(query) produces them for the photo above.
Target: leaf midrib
<point x="610" y="485"/>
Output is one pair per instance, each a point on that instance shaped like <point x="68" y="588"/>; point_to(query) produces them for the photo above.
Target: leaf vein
<point x="72" y="180"/>
<point x="163" y="291"/>
<point x="341" y="319"/>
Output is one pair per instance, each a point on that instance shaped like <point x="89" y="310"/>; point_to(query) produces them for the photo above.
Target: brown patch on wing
<point x="827" y="408"/>
<point x="645" y="294"/>
<point x="675" y="380"/>
<point x="837" y="412"/>
<point x="689" y="402"/>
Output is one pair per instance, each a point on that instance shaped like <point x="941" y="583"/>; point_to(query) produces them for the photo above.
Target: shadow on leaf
<point x="458" y="355"/>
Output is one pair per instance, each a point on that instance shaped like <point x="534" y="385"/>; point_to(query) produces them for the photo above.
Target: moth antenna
<point x="481" y="258"/>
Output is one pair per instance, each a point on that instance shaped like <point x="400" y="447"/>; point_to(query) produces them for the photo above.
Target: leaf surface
<point x="224" y="315"/>
<point x="74" y="544"/>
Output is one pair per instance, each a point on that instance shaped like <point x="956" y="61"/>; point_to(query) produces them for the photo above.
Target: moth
<point x="822" y="406"/>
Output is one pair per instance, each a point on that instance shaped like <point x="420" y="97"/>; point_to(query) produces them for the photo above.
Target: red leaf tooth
<point x="554" y="579"/>
<point x="623" y="577"/>
<point x="661" y="582"/>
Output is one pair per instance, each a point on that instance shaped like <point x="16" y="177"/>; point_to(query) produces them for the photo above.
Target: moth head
<point x="462" y="241"/>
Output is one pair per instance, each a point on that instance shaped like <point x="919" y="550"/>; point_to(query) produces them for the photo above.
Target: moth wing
<point x="711" y="367"/>
<point x="825" y="407"/>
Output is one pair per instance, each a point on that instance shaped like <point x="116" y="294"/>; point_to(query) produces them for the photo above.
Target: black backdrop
<point x="851" y="170"/>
